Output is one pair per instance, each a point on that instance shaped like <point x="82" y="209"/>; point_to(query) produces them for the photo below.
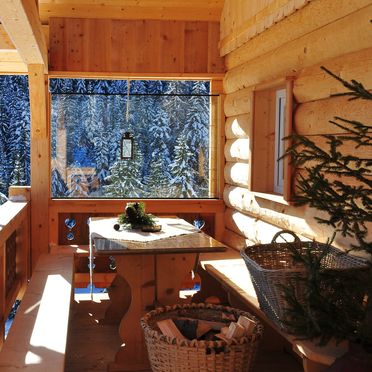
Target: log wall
<point x="134" y="46"/>
<point x="318" y="32"/>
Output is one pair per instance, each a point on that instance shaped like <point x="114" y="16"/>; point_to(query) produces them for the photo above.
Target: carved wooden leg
<point x="120" y="295"/>
<point x="138" y="273"/>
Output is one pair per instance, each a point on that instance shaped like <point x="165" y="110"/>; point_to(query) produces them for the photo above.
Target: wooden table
<point x="149" y="269"/>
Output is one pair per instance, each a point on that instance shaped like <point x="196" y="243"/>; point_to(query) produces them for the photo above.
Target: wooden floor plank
<point x="92" y="345"/>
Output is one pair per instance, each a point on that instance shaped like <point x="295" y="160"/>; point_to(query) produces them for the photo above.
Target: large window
<point x="14" y="133"/>
<point x="169" y="122"/>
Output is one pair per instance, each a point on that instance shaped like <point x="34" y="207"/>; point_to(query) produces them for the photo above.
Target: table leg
<point x="138" y="273"/>
<point x="172" y="271"/>
<point x="136" y="280"/>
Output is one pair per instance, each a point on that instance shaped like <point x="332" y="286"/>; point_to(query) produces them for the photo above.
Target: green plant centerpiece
<point x="136" y="217"/>
<point x="337" y="304"/>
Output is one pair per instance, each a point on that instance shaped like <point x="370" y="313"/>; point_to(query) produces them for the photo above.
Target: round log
<point x="238" y="103"/>
<point x="237" y="174"/>
<point x="252" y="228"/>
<point x="313" y="83"/>
<point x="346" y="35"/>
<point x="238" y="126"/>
<point x="237" y="150"/>
<point x="313" y="118"/>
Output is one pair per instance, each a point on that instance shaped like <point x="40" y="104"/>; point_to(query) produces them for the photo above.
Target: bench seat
<point x="233" y="276"/>
<point x="38" y="336"/>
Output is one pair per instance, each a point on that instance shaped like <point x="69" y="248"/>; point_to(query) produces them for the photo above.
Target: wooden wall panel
<point x="196" y="34"/>
<point x="317" y="14"/>
<point x="242" y="20"/>
<point x="347" y="35"/>
<point x="334" y="34"/>
<point x="134" y="46"/>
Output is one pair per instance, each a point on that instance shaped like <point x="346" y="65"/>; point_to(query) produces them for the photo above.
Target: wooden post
<point x="40" y="174"/>
<point x="219" y="161"/>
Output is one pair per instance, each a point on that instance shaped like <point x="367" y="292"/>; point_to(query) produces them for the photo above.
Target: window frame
<point x="280" y="117"/>
<point x="216" y="133"/>
<point x="285" y="85"/>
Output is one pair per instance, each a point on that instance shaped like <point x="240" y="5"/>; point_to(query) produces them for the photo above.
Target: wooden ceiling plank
<point x="155" y="10"/>
<point x="21" y="21"/>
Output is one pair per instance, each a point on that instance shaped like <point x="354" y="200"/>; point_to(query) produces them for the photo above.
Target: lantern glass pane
<point x="126" y="148"/>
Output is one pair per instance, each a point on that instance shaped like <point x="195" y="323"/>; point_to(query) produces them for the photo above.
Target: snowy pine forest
<point x="169" y="121"/>
<point x="14" y="133"/>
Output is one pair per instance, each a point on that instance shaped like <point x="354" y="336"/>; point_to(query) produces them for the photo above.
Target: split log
<point x="346" y="35"/>
<point x="168" y="328"/>
<point x="313" y="83"/>
<point x="237" y="150"/>
<point x="298" y="219"/>
<point x="317" y="14"/>
<point x="313" y="117"/>
<point x="235" y="240"/>
<point x="240" y="102"/>
<point x="239" y="126"/>
<point x="252" y="228"/>
<point x="248" y="324"/>
<point x="237" y="174"/>
<point x="236" y="330"/>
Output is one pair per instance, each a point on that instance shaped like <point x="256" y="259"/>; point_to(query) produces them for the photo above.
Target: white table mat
<point x="104" y="228"/>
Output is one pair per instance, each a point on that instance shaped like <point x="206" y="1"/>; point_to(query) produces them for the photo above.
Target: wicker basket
<point x="169" y="354"/>
<point x="272" y="268"/>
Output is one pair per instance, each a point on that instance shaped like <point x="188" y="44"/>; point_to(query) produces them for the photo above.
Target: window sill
<point x="277" y="198"/>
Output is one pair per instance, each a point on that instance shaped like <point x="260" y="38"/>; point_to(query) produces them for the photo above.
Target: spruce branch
<point x="356" y="89"/>
<point x="335" y="179"/>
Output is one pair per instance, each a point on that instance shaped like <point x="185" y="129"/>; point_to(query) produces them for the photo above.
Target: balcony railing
<point x="14" y="251"/>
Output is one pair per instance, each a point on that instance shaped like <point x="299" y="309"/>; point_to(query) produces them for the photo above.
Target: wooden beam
<point x="12" y="68"/>
<point x="5" y="42"/>
<point x="40" y="162"/>
<point x="196" y="10"/>
<point x="21" y="21"/>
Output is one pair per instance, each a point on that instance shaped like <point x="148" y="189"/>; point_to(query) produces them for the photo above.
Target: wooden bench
<point x="37" y="338"/>
<point x="233" y="276"/>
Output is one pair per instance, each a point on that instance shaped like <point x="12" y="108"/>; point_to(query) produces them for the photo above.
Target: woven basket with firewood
<point x="201" y="337"/>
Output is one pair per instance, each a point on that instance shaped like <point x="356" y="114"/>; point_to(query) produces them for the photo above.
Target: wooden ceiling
<point x="21" y="42"/>
<point x="198" y="10"/>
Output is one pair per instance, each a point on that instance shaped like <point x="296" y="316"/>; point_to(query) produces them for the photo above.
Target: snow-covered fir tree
<point x="14" y="132"/>
<point x="58" y="186"/>
<point x="124" y="180"/>
<point x="158" y="181"/>
<point x="182" y="170"/>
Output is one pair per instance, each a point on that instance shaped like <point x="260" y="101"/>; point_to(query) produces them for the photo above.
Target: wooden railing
<point x="14" y="251"/>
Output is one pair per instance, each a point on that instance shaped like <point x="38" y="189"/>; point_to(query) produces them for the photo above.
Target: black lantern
<point x="127" y="146"/>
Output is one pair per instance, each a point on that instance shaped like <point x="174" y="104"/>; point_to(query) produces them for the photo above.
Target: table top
<point x="177" y="236"/>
